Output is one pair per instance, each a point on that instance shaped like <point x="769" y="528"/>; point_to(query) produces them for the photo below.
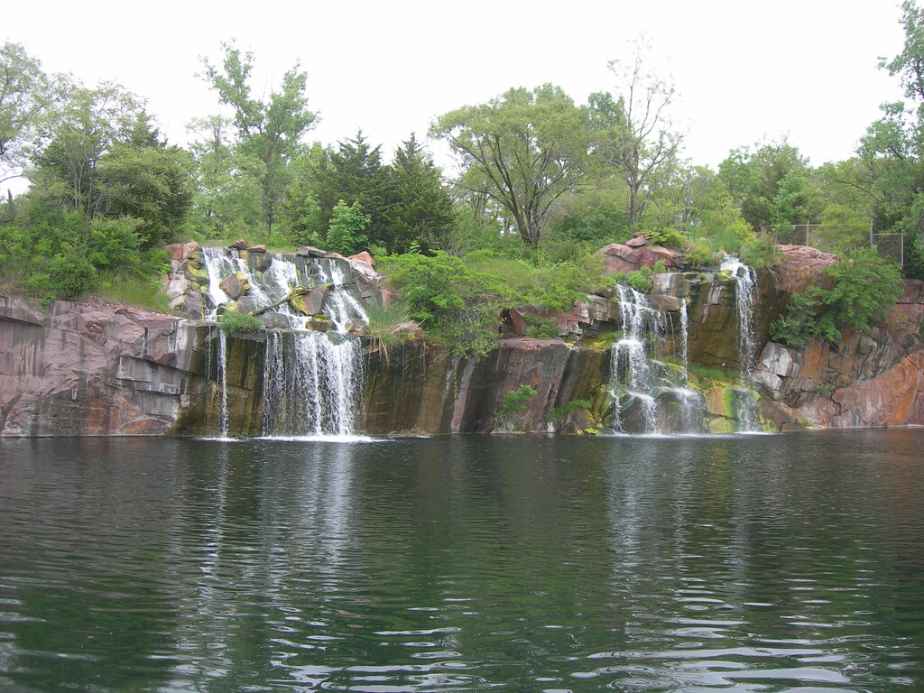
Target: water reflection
<point x="457" y="563"/>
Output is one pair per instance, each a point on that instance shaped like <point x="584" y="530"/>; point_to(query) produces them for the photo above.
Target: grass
<point x="136" y="291"/>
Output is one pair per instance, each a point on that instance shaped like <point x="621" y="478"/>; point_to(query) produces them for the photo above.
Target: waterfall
<point x="311" y="380"/>
<point x="630" y="369"/>
<point x="745" y="285"/>
<point x="223" y="416"/>
<point x="684" y="340"/>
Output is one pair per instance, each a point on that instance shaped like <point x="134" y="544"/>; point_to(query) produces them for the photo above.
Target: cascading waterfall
<point x="745" y="286"/>
<point x="311" y="380"/>
<point x="630" y="368"/>
<point x="223" y="415"/>
<point x="635" y="378"/>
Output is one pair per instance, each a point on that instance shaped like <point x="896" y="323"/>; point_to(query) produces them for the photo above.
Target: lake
<point x="463" y="563"/>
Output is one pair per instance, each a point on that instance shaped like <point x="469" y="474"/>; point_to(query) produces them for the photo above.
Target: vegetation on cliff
<point x="543" y="182"/>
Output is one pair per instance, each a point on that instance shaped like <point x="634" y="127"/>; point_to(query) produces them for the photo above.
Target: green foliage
<point x="759" y="252"/>
<point x="448" y="299"/>
<point x="347" y="223"/>
<point x="560" y="414"/>
<point x="270" y="130"/>
<point x="669" y="238"/>
<point x="151" y="184"/>
<point x="234" y="322"/>
<point x="514" y="403"/>
<point x="383" y="319"/>
<point x="539" y="327"/>
<point x="857" y="290"/>
<point x="524" y="149"/>
<point x="640" y="279"/>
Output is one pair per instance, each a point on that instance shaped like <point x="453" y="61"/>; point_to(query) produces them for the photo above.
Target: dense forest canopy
<point x="542" y="183"/>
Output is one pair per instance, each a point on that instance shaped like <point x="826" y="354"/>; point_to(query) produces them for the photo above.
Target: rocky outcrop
<point x="94" y="368"/>
<point x="800" y="266"/>
<point x="864" y="380"/>
<point x="636" y="253"/>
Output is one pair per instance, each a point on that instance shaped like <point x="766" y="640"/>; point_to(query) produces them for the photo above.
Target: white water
<point x="630" y="368"/>
<point x="312" y="380"/>
<point x="745" y="287"/>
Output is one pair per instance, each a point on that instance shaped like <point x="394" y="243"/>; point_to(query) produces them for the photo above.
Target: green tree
<point x="268" y="130"/>
<point x="347" y="224"/>
<point x="24" y="96"/>
<point x="150" y="183"/>
<point x="80" y="132"/>
<point x="523" y="150"/>
<point x="420" y="209"/>
<point x="632" y="134"/>
<point x="772" y="185"/>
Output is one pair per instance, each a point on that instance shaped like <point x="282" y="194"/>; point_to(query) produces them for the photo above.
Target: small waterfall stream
<point x="745" y="288"/>
<point x="638" y="380"/>
<point x="311" y="379"/>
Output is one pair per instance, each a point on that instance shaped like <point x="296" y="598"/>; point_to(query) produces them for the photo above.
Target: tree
<point x="345" y="233"/>
<point x="79" y="132"/>
<point x="150" y="183"/>
<point x="270" y="130"/>
<point x="420" y="209"/>
<point x="353" y="172"/>
<point x="23" y="98"/>
<point x="772" y="184"/>
<point x="524" y="150"/>
<point x="632" y="131"/>
<point x="228" y="194"/>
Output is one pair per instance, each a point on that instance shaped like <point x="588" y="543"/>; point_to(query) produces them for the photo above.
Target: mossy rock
<point x="319" y="323"/>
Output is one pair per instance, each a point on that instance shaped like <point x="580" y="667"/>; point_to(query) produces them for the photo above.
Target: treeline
<point x="542" y="180"/>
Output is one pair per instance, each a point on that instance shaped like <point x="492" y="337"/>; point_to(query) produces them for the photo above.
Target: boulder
<point x="637" y="241"/>
<point x="235" y="285"/>
<point x="257" y="249"/>
<point x="800" y="266"/>
<point x="777" y="359"/>
<point x="308" y="301"/>
<point x="621" y="257"/>
<point x="363" y="257"/>
<point x="240" y="244"/>
<point x="274" y="321"/>
<point x="320" y="323"/>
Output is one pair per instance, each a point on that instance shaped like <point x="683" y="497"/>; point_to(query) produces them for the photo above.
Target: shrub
<point x="449" y="300"/>
<point x="667" y="237"/>
<point x="759" y="252"/>
<point x="514" y="403"/>
<point x="345" y="232"/>
<point x="559" y="414"/>
<point x="863" y="287"/>
<point x="234" y="322"/>
<point x="540" y="328"/>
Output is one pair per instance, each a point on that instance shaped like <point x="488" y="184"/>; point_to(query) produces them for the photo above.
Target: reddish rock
<point x="181" y="251"/>
<point x="800" y="266"/>
<point x="240" y="244"/>
<point x="257" y="249"/>
<point x="364" y="257"/>
<point x="895" y="398"/>
<point x="637" y="241"/>
<point x="408" y="330"/>
<point x="620" y="257"/>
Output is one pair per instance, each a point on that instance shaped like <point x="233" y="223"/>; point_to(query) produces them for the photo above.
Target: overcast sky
<point x="746" y="70"/>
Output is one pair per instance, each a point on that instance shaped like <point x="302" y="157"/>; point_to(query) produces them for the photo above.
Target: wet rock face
<point x="93" y="368"/>
<point x="865" y="380"/>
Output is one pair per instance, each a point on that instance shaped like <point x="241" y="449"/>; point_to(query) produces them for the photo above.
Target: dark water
<point x="764" y="563"/>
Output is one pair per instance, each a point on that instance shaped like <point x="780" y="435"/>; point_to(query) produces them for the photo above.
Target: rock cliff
<point x="95" y="368"/>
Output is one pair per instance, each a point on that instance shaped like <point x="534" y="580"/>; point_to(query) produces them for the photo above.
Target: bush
<point x="863" y="287"/>
<point x="345" y="233"/>
<point x="540" y="328"/>
<point x="669" y="238"/>
<point x="234" y="322"/>
<point x="449" y="300"/>
<point x="514" y="403"/>
<point x="759" y="252"/>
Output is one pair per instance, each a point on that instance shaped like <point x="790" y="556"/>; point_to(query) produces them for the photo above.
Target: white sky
<point x="746" y="70"/>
